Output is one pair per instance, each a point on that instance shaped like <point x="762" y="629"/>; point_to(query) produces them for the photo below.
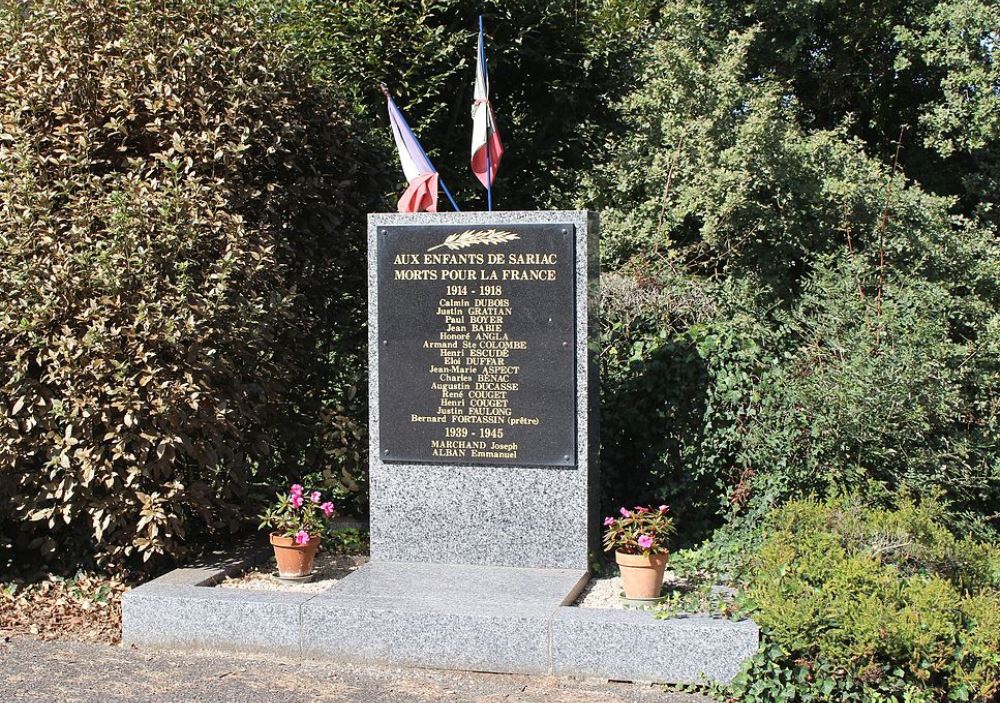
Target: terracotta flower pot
<point x="294" y="559"/>
<point x="642" y="576"/>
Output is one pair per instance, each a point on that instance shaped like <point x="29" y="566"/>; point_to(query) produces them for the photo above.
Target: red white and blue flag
<point x="422" y="192"/>
<point x="486" y="147"/>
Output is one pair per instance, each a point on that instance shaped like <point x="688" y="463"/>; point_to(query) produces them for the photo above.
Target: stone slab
<point x="461" y="584"/>
<point x="479" y="618"/>
<point x="491" y="515"/>
<point x="202" y="617"/>
<point x="505" y="620"/>
<point x="632" y="645"/>
<point x="495" y="638"/>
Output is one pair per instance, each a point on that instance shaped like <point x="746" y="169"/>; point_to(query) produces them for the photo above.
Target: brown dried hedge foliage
<point x="175" y="237"/>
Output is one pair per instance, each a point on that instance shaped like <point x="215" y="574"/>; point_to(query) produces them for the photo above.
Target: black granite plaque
<point x="477" y="355"/>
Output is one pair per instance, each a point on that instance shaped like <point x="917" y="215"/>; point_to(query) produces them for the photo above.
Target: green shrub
<point x="861" y="604"/>
<point x="176" y="250"/>
<point x="799" y="317"/>
<point x="653" y="379"/>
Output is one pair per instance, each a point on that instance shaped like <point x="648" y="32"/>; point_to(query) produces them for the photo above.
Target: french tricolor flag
<point x="422" y="192"/>
<point x="486" y="147"/>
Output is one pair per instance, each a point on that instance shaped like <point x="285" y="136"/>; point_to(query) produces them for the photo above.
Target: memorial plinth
<point x="484" y="618"/>
<point x="482" y="392"/>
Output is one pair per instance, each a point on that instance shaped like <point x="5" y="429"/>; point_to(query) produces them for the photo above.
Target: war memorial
<point x="483" y="462"/>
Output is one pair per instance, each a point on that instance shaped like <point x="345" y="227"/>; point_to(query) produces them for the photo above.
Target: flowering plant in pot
<point x="297" y="523"/>
<point x="639" y="540"/>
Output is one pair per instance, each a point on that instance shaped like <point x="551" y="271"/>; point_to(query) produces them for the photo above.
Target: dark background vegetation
<point x="800" y="250"/>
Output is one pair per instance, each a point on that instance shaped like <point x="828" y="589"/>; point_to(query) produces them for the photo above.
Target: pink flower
<point x="639" y="509"/>
<point x="315" y="497"/>
<point x="296" y="501"/>
<point x="301" y="537"/>
<point x="608" y="521"/>
<point x="296" y="489"/>
<point x="645" y="541"/>
<point x="664" y="508"/>
<point x="624" y="512"/>
<point x="327" y="508"/>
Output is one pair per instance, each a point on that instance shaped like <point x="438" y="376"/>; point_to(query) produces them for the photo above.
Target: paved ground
<point x="75" y="672"/>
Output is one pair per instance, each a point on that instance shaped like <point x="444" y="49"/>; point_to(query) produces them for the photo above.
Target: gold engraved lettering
<point x="476" y="374"/>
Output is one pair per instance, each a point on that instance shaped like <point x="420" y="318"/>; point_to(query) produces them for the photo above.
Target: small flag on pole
<point x="486" y="147"/>
<point x="422" y="192"/>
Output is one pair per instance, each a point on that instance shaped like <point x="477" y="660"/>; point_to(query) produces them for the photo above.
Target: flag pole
<point x="489" y="170"/>
<point x="489" y="120"/>
<point x="385" y="92"/>
<point x="448" y="193"/>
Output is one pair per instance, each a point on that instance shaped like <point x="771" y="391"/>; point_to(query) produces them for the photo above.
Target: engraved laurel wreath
<point x="471" y="237"/>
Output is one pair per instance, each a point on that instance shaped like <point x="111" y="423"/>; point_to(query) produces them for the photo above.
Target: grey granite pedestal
<point x="480" y="618"/>
<point x="424" y="512"/>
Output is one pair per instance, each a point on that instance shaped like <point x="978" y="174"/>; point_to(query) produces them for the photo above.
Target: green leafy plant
<point x="701" y="594"/>
<point x="871" y="604"/>
<point x="179" y="235"/>
<point x="301" y="514"/>
<point x="348" y="540"/>
<point x="544" y="56"/>
<point x="641" y="530"/>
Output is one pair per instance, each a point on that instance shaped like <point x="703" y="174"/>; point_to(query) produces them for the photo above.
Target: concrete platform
<point x="480" y="618"/>
<point x="477" y="618"/>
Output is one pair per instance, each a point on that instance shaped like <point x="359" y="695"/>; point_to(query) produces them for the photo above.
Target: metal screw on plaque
<point x="565" y="344"/>
<point x="565" y="457"/>
<point x="565" y="231"/>
<point x="386" y="452"/>
<point x="385" y="342"/>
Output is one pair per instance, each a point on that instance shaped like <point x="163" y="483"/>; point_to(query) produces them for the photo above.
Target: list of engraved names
<point x="483" y="345"/>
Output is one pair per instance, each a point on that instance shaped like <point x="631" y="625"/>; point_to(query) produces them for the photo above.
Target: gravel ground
<point x="606" y="592"/>
<point x="33" y="671"/>
<point x="329" y="568"/>
<point x="601" y="593"/>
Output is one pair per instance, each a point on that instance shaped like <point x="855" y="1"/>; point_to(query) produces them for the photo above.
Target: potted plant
<point x="639" y="539"/>
<point x="296" y="522"/>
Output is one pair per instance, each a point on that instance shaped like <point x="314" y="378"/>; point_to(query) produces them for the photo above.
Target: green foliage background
<point x="805" y="304"/>
<point x="179" y="254"/>
<point x="557" y="68"/>
<point x="800" y="243"/>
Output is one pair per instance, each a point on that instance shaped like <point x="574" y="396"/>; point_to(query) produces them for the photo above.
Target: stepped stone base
<point x="480" y="618"/>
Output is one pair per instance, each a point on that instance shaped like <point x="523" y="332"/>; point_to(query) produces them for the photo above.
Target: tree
<point x="832" y="321"/>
